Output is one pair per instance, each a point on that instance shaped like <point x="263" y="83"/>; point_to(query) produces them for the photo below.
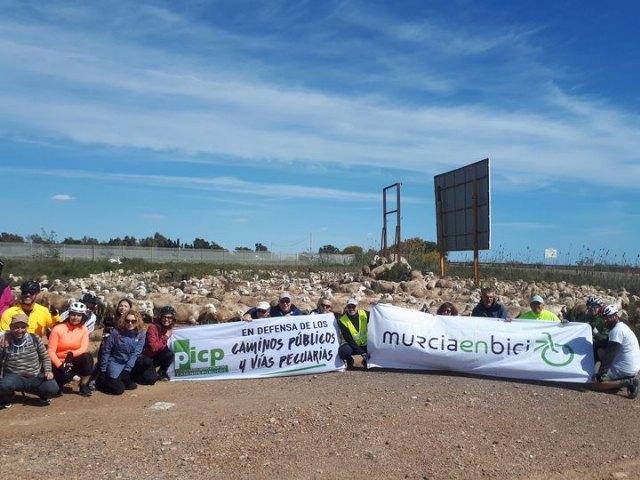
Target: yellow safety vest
<point x="360" y="337"/>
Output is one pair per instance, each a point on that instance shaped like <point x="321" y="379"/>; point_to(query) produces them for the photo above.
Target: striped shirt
<point x="27" y="356"/>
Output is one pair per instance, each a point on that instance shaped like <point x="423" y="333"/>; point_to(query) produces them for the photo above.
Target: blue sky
<point x="281" y="122"/>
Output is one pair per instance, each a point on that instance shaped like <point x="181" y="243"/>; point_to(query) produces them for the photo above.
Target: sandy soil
<point x="355" y="424"/>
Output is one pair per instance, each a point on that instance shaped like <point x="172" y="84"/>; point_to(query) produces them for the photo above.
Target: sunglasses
<point x="259" y="310"/>
<point x="130" y="321"/>
<point x="324" y="305"/>
<point x="285" y="300"/>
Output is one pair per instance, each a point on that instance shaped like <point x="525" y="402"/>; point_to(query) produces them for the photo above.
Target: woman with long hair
<point x="121" y="351"/>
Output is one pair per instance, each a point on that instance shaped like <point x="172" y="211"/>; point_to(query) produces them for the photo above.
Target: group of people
<point x="131" y="353"/>
<point x="617" y="353"/>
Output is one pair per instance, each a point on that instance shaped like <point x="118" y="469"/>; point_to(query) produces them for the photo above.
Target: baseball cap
<point x="352" y="301"/>
<point x="285" y="295"/>
<point x="263" y="306"/>
<point x="19" y="318"/>
<point x="536" y="298"/>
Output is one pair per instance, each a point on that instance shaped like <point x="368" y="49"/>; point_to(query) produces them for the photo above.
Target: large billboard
<point x="463" y="208"/>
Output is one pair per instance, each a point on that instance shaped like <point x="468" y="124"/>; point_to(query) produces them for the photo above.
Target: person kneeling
<point x="620" y="360"/>
<point x="120" y="354"/>
<point x="69" y="349"/>
<point x="24" y="364"/>
<point x="156" y="349"/>
<point x="353" y="330"/>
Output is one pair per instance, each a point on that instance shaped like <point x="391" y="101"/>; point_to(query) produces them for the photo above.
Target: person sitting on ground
<point x="324" y="306"/>
<point x="353" y="332"/>
<point x="40" y="320"/>
<point x="6" y="295"/>
<point x="261" y="310"/>
<point x="284" y="308"/>
<point x="24" y="364"/>
<point x="489" y="306"/>
<point x="69" y="350"/>
<point x="537" y="312"/>
<point x="89" y="319"/>
<point x="447" y="309"/>
<point x="620" y="359"/>
<point x="156" y="345"/>
<point x="122" y="350"/>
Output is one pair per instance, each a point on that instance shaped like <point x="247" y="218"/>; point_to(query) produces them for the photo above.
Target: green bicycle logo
<point x="549" y="348"/>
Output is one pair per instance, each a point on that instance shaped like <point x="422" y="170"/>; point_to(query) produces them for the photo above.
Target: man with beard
<point x="39" y="317"/>
<point x="489" y="306"/>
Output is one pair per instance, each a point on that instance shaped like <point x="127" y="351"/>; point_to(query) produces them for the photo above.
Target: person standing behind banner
<point x="447" y="309"/>
<point x="261" y="310"/>
<point x="353" y="332"/>
<point x="537" y="312"/>
<point x="284" y="307"/>
<point x="489" y="306"/>
<point x="324" y="306"/>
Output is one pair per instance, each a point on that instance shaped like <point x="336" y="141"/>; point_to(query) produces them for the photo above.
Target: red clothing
<point x="156" y="340"/>
<point x="65" y="338"/>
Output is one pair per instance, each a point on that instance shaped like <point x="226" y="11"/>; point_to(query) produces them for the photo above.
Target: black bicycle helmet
<point x="89" y="298"/>
<point x="30" y="286"/>
<point x="167" y="310"/>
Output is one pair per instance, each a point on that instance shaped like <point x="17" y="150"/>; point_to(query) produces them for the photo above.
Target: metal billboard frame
<point x="463" y="211"/>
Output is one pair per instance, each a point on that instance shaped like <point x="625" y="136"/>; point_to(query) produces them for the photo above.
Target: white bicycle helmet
<point x="78" y="307"/>
<point x="609" y="311"/>
<point x="594" y="302"/>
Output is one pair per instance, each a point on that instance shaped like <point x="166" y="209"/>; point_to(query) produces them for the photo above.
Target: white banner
<point x="263" y="348"/>
<point x="524" y="349"/>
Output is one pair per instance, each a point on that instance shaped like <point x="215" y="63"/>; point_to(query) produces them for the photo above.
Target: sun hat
<point x="263" y="306"/>
<point x="19" y="318"/>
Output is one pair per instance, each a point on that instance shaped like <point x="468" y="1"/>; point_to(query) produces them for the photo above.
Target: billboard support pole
<point x="385" y="212"/>
<point x="476" y="234"/>
<point x="440" y="220"/>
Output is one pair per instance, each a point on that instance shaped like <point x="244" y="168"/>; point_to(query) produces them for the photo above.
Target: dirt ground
<point x="354" y="424"/>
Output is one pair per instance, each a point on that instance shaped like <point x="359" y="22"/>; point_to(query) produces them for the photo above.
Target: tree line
<point x="409" y="247"/>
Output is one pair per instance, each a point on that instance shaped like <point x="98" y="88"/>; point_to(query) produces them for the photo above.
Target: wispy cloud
<point x="63" y="197"/>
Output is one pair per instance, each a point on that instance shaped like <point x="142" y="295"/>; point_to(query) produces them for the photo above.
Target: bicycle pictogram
<point x="548" y="348"/>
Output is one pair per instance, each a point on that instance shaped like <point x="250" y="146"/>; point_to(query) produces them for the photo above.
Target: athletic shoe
<point x="92" y="385"/>
<point x="45" y="402"/>
<point x="632" y="389"/>
<point x="131" y="386"/>
<point x="4" y="406"/>
<point x="162" y="376"/>
<point x="85" y="391"/>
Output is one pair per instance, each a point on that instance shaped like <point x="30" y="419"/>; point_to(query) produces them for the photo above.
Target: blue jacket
<point x="496" y="310"/>
<point x="276" y="312"/>
<point x="120" y="352"/>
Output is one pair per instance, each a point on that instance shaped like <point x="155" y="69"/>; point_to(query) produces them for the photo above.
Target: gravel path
<point x="356" y="424"/>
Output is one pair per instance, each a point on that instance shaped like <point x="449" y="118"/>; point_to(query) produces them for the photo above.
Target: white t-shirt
<point x="627" y="362"/>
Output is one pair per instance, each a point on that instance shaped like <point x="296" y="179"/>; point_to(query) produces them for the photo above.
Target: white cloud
<point x="63" y="197"/>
